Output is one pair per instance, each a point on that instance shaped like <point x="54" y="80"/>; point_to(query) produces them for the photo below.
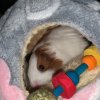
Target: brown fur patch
<point x="47" y="58"/>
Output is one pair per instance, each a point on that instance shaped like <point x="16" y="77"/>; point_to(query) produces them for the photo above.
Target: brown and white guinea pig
<point x="53" y="52"/>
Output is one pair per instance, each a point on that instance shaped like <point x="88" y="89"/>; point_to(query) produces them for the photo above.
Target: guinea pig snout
<point x="36" y="88"/>
<point x="35" y="85"/>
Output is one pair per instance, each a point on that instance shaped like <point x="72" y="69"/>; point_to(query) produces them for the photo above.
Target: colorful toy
<point x="65" y="83"/>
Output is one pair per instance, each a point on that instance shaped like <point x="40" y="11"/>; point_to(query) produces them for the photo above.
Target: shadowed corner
<point x="5" y="4"/>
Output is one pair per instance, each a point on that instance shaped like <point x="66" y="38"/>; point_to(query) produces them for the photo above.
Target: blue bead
<point x="79" y="70"/>
<point x="57" y="91"/>
<point x="73" y="76"/>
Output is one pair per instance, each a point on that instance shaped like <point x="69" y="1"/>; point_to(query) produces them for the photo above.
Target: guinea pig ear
<point x="47" y="59"/>
<point x="56" y="64"/>
<point x="43" y="58"/>
<point x="42" y="62"/>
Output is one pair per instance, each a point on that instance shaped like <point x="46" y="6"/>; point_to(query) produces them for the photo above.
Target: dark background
<point x="5" y="4"/>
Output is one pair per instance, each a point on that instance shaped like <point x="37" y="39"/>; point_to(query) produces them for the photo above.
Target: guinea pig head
<point x="42" y="65"/>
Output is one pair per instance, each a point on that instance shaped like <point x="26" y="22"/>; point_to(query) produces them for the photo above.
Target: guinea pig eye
<point x="41" y="68"/>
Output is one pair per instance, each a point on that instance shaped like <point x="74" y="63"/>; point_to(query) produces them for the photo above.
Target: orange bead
<point x="93" y="51"/>
<point x="90" y="61"/>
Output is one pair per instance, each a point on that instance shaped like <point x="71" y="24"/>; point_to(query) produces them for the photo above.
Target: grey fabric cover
<point x="27" y="14"/>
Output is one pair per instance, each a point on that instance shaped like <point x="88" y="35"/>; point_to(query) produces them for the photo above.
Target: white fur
<point x="66" y="42"/>
<point x="36" y="77"/>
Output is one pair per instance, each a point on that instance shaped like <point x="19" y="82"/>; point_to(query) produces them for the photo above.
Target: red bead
<point x="61" y="79"/>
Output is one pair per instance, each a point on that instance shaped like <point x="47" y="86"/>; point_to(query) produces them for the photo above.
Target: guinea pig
<point x="57" y="48"/>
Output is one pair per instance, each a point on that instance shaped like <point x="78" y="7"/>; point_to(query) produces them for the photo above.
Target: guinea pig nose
<point x="41" y="68"/>
<point x="36" y="86"/>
